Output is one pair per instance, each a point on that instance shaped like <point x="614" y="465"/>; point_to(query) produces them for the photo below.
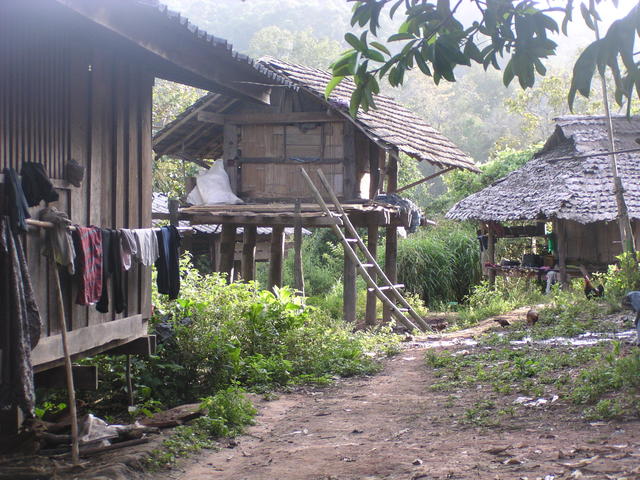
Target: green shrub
<point x="440" y="264"/>
<point x="237" y="334"/>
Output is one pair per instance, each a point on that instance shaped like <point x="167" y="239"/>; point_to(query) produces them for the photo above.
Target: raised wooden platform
<point x="283" y="214"/>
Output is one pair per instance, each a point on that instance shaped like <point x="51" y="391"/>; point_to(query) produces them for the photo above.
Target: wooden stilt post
<point x="372" y="298"/>
<point x="237" y="267"/>
<point x="275" y="260"/>
<point x="349" y="289"/>
<point x="227" y="250"/>
<point x="391" y="241"/>
<point x="213" y="257"/>
<point x="560" y="231"/>
<point x="297" y="245"/>
<point x="491" y="254"/>
<point x="249" y="253"/>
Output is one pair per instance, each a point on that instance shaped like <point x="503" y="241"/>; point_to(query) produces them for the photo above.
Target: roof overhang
<point x="179" y="51"/>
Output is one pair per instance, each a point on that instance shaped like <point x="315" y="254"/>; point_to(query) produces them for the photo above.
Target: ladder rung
<point x="367" y="265"/>
<point x="402" y="309"/>
<point x="351" y="240"/>
<point x="387" y="287"/>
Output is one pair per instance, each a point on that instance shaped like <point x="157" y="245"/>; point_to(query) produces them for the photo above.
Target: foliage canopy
<point x="437" y="39"/>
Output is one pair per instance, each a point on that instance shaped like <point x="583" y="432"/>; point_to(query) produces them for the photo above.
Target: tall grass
<point x="441" y="264"/>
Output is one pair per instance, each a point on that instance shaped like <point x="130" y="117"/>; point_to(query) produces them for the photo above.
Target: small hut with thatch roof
<point x="570" y="184"/>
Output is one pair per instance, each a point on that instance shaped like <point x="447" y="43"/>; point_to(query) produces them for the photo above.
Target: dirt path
<point x="392" y="426"/>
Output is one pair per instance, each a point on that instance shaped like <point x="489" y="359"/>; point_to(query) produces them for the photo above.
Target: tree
<point x="294" y="46"/>
<point x="437" y="39"/>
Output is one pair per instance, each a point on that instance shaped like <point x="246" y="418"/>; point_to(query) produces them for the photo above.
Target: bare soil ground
<point x="393" y="426"/>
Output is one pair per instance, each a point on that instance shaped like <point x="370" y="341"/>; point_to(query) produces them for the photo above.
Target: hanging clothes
<point x="36" y="184"/>
<point x="59" y="238"/>
<point x="128" y="248"/>
<point x="88" y="245"/>
<point x="15" y="200"/>
<point x="168" y="263"/>
<point x="20" y="323"/>
<point x="111" y="269"/>
<point x="147" y="245"/>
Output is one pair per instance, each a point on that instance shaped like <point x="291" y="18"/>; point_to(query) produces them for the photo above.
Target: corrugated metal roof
<point x="550" y="185"/>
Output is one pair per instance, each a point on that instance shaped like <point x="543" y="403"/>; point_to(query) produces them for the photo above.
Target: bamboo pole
<point x="75" y="455"/>
<point x="624" y="223"/>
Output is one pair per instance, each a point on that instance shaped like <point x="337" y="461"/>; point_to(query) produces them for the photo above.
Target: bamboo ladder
<point x="416" y="322"/>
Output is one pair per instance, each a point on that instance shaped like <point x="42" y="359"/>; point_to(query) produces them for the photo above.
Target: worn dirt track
<point x="392" y="426"/>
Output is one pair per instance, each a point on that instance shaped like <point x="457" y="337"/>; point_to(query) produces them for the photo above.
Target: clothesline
<point x="43" y="224"/>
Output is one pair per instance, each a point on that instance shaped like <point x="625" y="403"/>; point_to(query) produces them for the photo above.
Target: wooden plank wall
<point x="272" y="154"/>
<point x="62" y="98"/>
<point x="597" y="243"/>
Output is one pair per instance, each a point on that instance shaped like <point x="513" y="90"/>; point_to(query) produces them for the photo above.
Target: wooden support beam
<point x="85" y="377"/>
<point x="375" y="153"/>
<point x="227" y="250"/>
<point x="168" y="131"/>
<point x="491" y="254"/>
<point x="425" y="179"/>
<point x="372" y="299"/>
<point x="267" y="118"/>
<point x="559" y="228"/>
<point x="350" y="293"/>
<point x="390" y="264"/>
<point x="391" y="240"/>
<point x="174" y="205"/>
<point x="230" y="154"/>
<point x="298" y="271"/>
<point x="350" y="165"/>
<point x="277" y="254"/>
<point x="249" y="253"/>
<point x="142" y="347"/>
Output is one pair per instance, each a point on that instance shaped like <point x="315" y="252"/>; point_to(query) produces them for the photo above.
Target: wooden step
<point x="387" y="287"/>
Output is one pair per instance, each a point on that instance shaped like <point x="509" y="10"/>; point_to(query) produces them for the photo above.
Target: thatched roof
<point x="552" y="186"/>
<point x="390" y="124"/>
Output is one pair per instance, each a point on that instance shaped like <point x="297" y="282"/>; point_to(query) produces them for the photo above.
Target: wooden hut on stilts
<point x="263" y="148"/>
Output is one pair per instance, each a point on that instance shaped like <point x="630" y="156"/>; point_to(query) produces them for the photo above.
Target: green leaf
<point x="583" y="71"/>
<point x="355" y="42"/>
<point x="472" y="52"/>
<point x="568" y="16"/>
<point x="374" y="55"/>
<point x="587" y="16"/>
<point x="401" y="36"/>
<point x="333" y="83"/>
<point x="422" y="64"/>
<point x="380" y="47"/>
<point x="508" y="75"/>
<point x="356" y="97"/>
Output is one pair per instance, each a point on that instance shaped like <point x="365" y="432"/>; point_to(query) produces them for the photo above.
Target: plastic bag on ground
<point x="213" y="188"/>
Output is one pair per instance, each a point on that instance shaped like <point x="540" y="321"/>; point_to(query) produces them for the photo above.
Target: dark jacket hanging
<point x="111" y="268"/>
<point x="20" y="324"/>
<point x="15" y="200"/>
<point x="168" y="263"/>
<point x="36" y="184"/>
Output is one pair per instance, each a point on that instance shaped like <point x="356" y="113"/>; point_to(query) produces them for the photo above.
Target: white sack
<point x="213" y="187"/>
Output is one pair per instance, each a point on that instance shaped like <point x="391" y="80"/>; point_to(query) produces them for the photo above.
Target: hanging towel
<point x="147" y="245"/>
<point x="128" y="247"/>
<point x="88" y="245"/>
<point x="36" y="184"/>
<point x="168" y="263"/>
<point x="20" y="323"/>
<point x="59" y="238"/>
<point x="16" y="202"/>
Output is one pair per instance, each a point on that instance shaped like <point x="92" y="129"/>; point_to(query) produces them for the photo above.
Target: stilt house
<point x="263" y="148"/>
<point x="568" y="183"/>
<point x="76" y="80"/>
